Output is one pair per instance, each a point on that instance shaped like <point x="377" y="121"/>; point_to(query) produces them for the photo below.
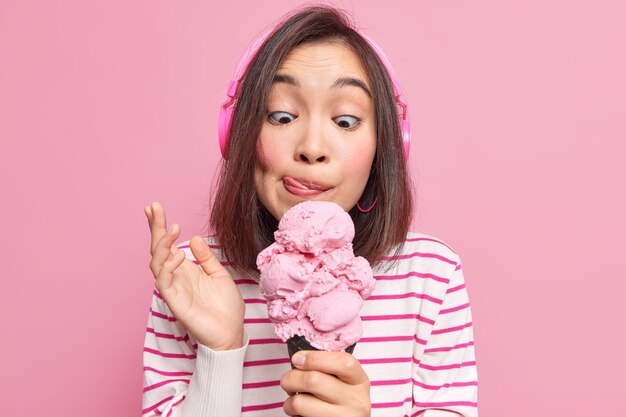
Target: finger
<point x="164" y="279"/>
<point x="158" y="224"/>
<point x="307" y="405"/>
<point x="164" y="249"/>
<point x="148" y="212"/>
<point x="341" y="364"/>
<point x="206" y="258"/>
<point x="324" y="386"/>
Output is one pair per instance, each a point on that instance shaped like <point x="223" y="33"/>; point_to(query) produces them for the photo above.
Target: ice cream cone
<point x="298" y="343"/>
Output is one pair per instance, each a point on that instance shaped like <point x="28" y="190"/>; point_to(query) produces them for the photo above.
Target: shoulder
<point x="421" y="242"/>
<point x="417" y="243"/>
<point x="421" y="254"/>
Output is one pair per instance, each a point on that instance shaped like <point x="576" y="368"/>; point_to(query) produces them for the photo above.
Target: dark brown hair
<point x="242" y="225"/>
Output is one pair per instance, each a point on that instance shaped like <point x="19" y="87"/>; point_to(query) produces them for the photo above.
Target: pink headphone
<point x="226" y="109"/>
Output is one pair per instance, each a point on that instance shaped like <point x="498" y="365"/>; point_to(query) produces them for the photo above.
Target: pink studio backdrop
<point x="519" y="115"/>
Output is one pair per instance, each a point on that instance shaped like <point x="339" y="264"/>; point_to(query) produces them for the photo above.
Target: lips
<point x="303" y="187"/>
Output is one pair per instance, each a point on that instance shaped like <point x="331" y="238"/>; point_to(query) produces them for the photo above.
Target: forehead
<point x="323" y="58"/>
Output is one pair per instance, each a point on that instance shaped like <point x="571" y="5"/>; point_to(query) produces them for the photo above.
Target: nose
<point x="313" y="146"/>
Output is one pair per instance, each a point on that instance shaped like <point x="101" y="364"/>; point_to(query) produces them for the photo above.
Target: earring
<point x="369" y="209"/>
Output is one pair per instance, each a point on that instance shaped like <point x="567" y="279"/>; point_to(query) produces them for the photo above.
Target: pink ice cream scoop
<point x="313" y="283"/>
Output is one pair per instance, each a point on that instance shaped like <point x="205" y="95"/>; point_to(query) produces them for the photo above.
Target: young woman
<point x="315" y="116"/>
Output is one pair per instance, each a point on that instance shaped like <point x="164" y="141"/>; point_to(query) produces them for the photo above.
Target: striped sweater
<point x="417" y="346"/>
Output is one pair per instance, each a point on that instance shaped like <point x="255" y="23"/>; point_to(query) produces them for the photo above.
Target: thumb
<point x="205" y="257"/>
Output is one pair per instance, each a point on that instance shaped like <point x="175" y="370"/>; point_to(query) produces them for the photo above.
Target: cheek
<point x="267" y="152"/>
<point x="359" y="161"/>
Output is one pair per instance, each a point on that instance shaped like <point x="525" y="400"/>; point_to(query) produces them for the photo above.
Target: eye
<point x="346" y="121"/>
<point x="281" y="117"/>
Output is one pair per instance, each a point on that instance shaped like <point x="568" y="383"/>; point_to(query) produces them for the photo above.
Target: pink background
<point x="519" y="115"/>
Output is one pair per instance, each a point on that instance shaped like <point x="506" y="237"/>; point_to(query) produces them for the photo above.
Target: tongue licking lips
<point x="303" y="188"/>
<point x="298" y="184"/>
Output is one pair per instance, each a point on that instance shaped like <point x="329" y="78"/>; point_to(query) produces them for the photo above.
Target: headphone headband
<point x="227" y="107"/>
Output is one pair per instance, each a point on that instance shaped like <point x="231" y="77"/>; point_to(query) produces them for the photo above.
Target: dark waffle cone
<point x="298" y="343"/>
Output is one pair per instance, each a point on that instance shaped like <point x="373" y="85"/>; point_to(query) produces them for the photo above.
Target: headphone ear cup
<point x="223" y="125"/>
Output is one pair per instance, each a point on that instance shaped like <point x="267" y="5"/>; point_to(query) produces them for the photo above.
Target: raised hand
<point x="203" y="298"/>
<point x="326" y="384"/>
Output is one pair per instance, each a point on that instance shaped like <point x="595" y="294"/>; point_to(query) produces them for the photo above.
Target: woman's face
<point x="318" y="140"/>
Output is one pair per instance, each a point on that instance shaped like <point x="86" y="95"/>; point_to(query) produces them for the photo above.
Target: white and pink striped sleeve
<point x="182" y="378"/>
<point x="445" y="382"/>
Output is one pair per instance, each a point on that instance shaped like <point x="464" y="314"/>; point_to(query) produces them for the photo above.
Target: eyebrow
<point x="340" y="82"/>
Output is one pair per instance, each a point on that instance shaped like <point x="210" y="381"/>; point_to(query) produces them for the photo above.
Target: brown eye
<point x="281" y="117"/>
<point x="346" y="121"/>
